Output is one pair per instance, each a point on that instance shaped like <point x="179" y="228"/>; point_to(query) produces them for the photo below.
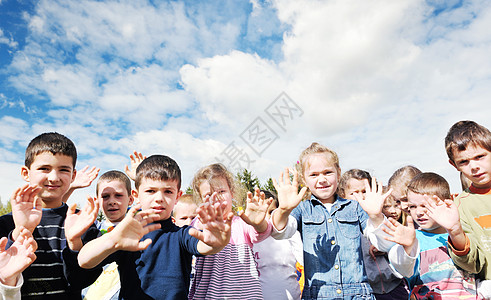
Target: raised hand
<point x="136" y="158"/>
<point x="400" y="234"/>
<point x="84" y="177"/>
<point x="17" y="258"/>
<point x="27" y="208"/>
<point x="373" y="201"/>
<point x="135" y="225"/>
<point x="256" y="210"/>
<point x="216" y="228"/>
<point x="444" y="212"/>
<point x="77" y="223"/>
<point x="288" y="195"/>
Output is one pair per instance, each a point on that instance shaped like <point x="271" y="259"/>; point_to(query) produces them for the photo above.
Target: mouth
<point x="158" y="209"/>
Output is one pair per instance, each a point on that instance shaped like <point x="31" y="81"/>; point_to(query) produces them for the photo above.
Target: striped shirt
<point x="231" y="273"/>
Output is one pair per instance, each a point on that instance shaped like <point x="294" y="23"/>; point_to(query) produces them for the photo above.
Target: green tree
<point x="5" y="209"/>
<point x="268" y="186"/>
<point x="248" y="180"/>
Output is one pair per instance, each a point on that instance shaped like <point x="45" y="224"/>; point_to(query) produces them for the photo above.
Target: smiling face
<point x="321" y="177"/>
<point x="221" y="187"/>
<point x="114" y="199"/>
<point x="418" y="212"/>
<point x="160" y="195"/>
<point x="53" y="173"/>
<point x="475" y="163"/>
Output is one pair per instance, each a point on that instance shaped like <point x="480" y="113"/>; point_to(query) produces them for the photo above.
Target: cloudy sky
<point x="250" y="83"/>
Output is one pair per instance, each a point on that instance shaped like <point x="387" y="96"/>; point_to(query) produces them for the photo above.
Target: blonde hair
<point x="401" y="178"/>
<point x="211" y="174"/>
<point x="188" y="199"/>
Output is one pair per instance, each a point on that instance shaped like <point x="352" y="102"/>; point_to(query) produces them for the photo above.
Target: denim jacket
<point x="333" y="257"/>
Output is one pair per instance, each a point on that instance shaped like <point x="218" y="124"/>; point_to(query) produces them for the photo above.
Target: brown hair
<point x="401" y="178"/>
<point x="465" y="133"/>
<point x="50" y="142"/>
<point x="114" y="175"/>
<point x="355" y="174"/>
<point x="430" y="184"/>
<point x="211" y="174"/>
<point x="158" y="167"/>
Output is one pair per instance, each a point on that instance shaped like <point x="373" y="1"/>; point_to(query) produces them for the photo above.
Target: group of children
<point x="326" y="235"/>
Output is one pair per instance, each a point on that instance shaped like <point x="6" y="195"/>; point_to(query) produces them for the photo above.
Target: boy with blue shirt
<point x="159" y="265"/>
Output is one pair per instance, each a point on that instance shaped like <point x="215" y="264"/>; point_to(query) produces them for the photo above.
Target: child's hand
<point x="216" y="228"/>
<point x="288" y="195"/>
<point x="256" y="210"/>
<point x="374" y="252"/>
<point x="76" y="224"/>
<point x="17" y="258"/>
<point x="84" y="177"/>
<point x="400" y="234"/>
<point x="27" y="209"/>
<point x="130" y="231"/>
<point x="136" y="159"/>
<point x="374" y="201"/>
<point x="444" y="212"/>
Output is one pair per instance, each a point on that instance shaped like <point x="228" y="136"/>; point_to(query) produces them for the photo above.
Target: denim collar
<point x="338" y="203"/>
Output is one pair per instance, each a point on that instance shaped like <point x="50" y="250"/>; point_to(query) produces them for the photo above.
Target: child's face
<point x="160" y="195"/>
<point x="391" y="209"/>
<point x="184" y="213"/>
<point x="475" y="163"/>
<point x="355" y="186"/>
<point x="321" y="177"/>
<point x="401" y="199"/>
<point x="418" y="213"/>
<point x="53" y="173"/>
<point x="114" y="199"/>
<point x="221" y="188"/>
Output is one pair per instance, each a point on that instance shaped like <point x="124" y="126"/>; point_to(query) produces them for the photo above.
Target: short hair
<point x="158" y="167"/>
<point x="187" y="199"/>
<point x="213" y="172"/>
<point x="114" y="175"/>
<point x="316" y="148"/>
<point x="465" y="133"/>
<point x="271" y="194"/>
<point x="355" y="174"/>
<point x="401" y="178"/>
<point x="430" y="184"/>
<point x="50" y="142"/>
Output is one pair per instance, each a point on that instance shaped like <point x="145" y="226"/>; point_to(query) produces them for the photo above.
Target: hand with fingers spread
<point x="27" y="209"/>
<point x="446" y="214"/>
<point x="400" y="234"/>
<point x="374" y="201"/>
<point x="256" y="210"/>
<point x="126" y="236"/>
<point x="288" y="197"/>
<point x="216" y="228"/>
<point x="17" y="258"/>
<point x="136" y="158"/>
<point x="77" y="223"/>
<point x="83" y="178"/>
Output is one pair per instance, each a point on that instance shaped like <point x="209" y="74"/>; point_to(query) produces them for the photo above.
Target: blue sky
<point x="379" y="81"/>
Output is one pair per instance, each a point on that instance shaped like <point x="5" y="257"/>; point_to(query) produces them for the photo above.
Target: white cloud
<point x="9" y="41"/>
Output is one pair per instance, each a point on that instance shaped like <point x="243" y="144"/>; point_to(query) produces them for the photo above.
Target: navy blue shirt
<point x="162" y="271"/>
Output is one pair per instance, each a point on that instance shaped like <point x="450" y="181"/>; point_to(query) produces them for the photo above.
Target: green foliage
<point x="5" y="209"/>
<point x="100" y="216"/>
<point x="248" y="180"/>
<point x="189" y="190"/>
<point x="268" y="186"/>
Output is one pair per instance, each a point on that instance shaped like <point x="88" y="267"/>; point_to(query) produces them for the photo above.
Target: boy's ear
<point x="134" y="196"/>
<point x="179" y="194"/>
<point x="173" y="219"/>
<point x="131" y="199"/>
<point x="74" y="174"/>
<point x="453" y="164"/>
<point x="24" y="172"/>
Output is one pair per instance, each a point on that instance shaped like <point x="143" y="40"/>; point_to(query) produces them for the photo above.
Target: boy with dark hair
<point x="468" y="146"/>
<point x="154" y="260"/>
<point x="59" y="230"/>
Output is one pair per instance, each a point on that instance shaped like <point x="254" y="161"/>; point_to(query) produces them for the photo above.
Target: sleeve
<point x="472" y="259"/>
<point x="189" y="242"/>
<point x="290" y="228"/>
<point x="11" y="292"/>
<point x="76" y="276"/>
<point x="376" y="236"/>
<point x="256" y="237"/>
<point x="403" y="263"/>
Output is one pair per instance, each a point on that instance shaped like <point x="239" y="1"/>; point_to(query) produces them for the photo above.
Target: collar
<point x="165" y="223"/>
<point x="480" y="191"/>
<point x="339" y="202"/>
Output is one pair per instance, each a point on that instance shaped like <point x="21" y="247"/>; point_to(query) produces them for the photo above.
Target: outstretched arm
<point x="446" y="213"/>
<point x="27" y="209"/>
<point x="288" y="197"/>
<point x="136" y="158"/>
<point x="256" y="210"/>
<point x="77" y="223"/>
<point x="373" y="202"/>
<point x="216" y="228"/>
<point x="83" y="178"/>
<point x="125" y="236"/>
<point x="17" y="258"/>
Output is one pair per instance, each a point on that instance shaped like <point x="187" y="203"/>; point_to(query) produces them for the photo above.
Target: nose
<point x="420" y="211"/>
<point x="53" y="175"/>
<point x="159" y="196"/>
<point x="474" y="166"/>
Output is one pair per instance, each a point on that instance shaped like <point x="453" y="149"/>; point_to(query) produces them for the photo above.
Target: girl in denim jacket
<point x="330" y="226"/>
